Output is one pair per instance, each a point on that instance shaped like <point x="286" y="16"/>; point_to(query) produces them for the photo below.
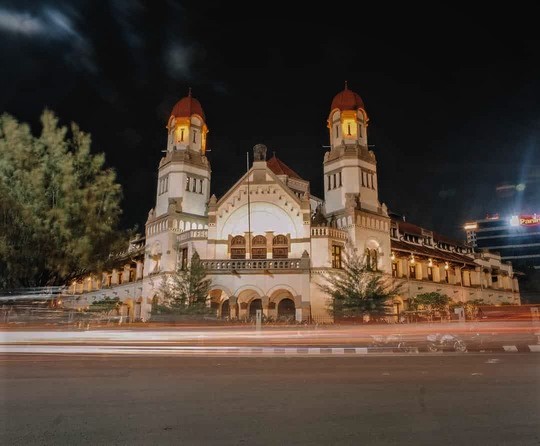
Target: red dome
<point x="186" y="107"/>
<point x="347" y="100"/>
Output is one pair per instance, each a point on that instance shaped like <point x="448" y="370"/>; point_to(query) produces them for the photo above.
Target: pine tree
<point x="186" y="290"/>
<point x="59" y="204"/>
<point x="356" y="290"/>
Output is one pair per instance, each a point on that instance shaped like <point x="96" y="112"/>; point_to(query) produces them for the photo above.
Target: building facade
<point x="515" y="237"/>
<point x="267" y="242"/>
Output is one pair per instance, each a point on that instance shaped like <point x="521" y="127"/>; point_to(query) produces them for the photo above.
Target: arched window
<point x="258" y="247"/>
<point x="374" y="260"/>
<point x="280" y="247"/>
<point x="367" y="254"/>
<point x="238" y="247"/>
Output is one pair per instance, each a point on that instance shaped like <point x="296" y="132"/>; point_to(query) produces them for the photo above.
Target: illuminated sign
<point x="525" y="220"/>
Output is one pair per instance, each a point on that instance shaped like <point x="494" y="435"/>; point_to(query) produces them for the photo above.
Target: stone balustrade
<point x="229" y="265"/>
<point x="327" y="231"/>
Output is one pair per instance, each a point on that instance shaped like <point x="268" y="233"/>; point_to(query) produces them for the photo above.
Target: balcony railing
<point x="192" y="234"/>
<point x="253" y="264"/>
<point x="327" y="231"/>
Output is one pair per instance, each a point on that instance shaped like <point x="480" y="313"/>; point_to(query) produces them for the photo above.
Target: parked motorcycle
<point x="437" y="342"/>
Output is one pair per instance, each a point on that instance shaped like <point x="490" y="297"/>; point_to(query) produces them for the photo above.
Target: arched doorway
<point x="225" y="310"/>
<point x="256" y="304"/>
<point x="286" y="308"/>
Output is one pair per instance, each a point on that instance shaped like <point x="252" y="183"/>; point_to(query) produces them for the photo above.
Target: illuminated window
<point x="280" y="247"/>
<point x="238" y="247"/>
<point x="394" y="270"/>
<point x="337" y="131"/>
<point x="430" y="273"/>
<point x="336" y="256"/>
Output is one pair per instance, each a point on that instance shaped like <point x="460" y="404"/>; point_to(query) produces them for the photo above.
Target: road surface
<point x="442" y="399"/>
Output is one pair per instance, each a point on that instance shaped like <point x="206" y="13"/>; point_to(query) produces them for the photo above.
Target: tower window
<point x="329" y="184"/>
<point x="334" y="180"/>
<point x="194" y="135"/>
<point x="200" y="186"/>
<point x="349" y="129"/>
<point x="188" y="180"/>
<point x="336" y="256"/>
<point x="340" y="180"/>
<point x="194" y="189"/>
<point x="337" y="131"/>
<point x="184" y="258"/>
<point x="182" y="134"/>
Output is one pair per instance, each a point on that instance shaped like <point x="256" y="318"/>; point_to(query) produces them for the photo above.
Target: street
<point x="446" y="399"/>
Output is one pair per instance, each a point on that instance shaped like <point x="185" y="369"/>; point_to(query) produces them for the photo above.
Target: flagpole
<point x="248" y="241"/>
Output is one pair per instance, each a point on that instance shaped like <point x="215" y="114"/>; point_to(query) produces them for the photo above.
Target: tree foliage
<point x="186" y="291"/>
<point x="431" y="302"/>
<point x="356" y="290"/>
<point x="59" y="204"/>
<point x="106" y="305"/>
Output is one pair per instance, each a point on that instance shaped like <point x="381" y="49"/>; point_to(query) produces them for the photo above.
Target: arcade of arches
<point x="281" y="305"/>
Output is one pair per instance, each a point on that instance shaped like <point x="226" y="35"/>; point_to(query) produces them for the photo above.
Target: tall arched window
<point x="280" y="247"/>
<point x="258" y="247"/>
<point x="238" y="247"/>
<point x="374" y="260"/>
<point x="367" y="260"/>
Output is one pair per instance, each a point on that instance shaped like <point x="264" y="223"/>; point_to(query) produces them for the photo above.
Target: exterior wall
<point x="192" y="202"/>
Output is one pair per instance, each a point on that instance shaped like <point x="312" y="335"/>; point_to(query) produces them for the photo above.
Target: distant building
<point x="515" y="237"/>
<point x="267" y="241"/>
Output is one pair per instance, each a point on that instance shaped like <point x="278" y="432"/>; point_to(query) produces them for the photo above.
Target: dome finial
<point x="346" y="86"/>
<point x="189" y="91"/>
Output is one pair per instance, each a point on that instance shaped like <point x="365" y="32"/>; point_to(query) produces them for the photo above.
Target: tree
<point x="106" y="305"/>
<point x="59" y="204"/>
<point x="356" y="290"/>
<point x="186" y="290"/>
<point x="431" y="302"/>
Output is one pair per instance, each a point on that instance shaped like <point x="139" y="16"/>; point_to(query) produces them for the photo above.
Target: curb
<point x="261" y="351"/>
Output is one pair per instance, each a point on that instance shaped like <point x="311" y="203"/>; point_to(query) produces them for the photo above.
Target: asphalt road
<point x="447" y="399"/>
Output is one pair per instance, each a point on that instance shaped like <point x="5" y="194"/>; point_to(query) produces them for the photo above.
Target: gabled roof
<point x="280" y="168"/>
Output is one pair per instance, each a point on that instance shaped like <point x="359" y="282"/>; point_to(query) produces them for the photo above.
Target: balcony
<point x="326" y="231"/>
<point x="192" y="234"/>
<point x="253" y="265"/>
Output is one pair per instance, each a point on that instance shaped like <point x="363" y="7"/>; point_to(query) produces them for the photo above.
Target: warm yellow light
<point x="412" y="260"/>
<point x="469" y="226"/>
<point x="430" y="263"/>
<point x="446" y="265"/>
<point x="393" y="256"/>
<point x="349" y="124"/>
<point x="181" y="133"/>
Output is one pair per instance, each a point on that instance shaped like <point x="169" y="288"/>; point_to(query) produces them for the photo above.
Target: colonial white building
<point x="266" y="242"/>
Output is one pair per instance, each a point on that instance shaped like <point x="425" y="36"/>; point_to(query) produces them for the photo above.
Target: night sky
<point x="453" y="95"/>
